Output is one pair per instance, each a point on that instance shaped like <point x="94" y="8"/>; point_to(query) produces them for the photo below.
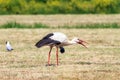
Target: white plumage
<point x="58" y="36"/>
<point x="8" y="46"/>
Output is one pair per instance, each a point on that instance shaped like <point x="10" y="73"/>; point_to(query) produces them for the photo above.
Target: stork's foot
<point x="50" y="65"/>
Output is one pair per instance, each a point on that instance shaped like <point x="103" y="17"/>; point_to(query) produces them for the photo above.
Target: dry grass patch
<point x="100" y="62"/>
<point x="61" y="20"/>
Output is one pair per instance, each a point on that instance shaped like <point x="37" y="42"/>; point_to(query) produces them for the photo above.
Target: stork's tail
<point x="62" y="50"/>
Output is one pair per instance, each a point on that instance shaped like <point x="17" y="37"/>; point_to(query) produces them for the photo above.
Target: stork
<point x="58" y="40"/>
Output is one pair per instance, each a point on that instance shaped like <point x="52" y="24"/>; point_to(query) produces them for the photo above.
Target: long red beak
<point x="82" y="43"/>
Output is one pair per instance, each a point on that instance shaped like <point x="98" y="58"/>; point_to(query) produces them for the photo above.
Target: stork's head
<point x="79" y="41"/>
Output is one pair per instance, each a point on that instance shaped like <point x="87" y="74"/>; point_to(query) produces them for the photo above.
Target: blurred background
<point x="59" y="6"/>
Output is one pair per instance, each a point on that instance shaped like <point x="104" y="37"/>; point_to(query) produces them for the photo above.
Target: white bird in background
<point x="8" y="46"/>
<point x="59" y="40"/>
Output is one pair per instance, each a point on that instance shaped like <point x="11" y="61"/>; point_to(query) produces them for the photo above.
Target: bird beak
<point x="82" y="43"/>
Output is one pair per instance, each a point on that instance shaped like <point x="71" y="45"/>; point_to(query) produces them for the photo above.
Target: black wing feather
<point x="48" y="35"/>
<point x="42" y="42"/>
<point x="46" y="40"/>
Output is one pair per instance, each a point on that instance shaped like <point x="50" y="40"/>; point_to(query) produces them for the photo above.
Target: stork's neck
<point x="71" y="42"/>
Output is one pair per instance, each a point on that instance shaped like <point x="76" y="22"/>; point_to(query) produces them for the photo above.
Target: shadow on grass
<point x="96" y="63"/>
<point x="47" y="65"/>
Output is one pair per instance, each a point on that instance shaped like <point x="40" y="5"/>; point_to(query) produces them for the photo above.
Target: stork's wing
<point x="47" y="41"/>
<point x="48" y="36"/>
<point x="42" y="42"/>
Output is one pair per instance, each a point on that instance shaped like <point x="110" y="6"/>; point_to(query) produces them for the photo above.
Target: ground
<point x="101" y="61"/>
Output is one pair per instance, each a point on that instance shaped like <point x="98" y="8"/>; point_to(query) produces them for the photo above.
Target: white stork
<point x="59" y="40"/>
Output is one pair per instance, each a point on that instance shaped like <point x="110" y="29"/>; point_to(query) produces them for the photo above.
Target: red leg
<point x="57" y="55"/>
<point x="49" y="56"/>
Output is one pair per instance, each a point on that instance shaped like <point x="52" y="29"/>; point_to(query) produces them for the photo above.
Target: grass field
<point x="101" y="61"/>
<point x="61" y="20"/>
<point x="43" y="26"/>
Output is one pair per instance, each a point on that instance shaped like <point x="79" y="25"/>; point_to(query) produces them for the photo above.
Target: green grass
<point x="93" y="26"/>
<point x="18" y="25"/>
<point x="39" y="25"/>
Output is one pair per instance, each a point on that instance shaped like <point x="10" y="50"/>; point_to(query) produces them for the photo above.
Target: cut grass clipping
<point x="39" y="25"/>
